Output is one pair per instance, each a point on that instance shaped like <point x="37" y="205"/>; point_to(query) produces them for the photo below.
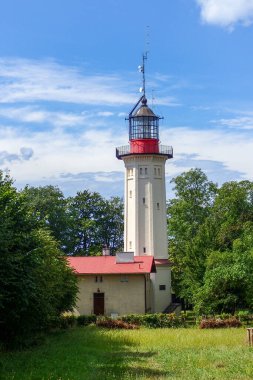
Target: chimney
<point x="105" y="251"/>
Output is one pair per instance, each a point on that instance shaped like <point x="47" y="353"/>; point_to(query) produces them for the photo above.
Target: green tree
<point x="48" y="205"/>
<point x="233" y="207"/>
<point x="36" y="284"/>
<point x="94" y="222"/>
<point x="228" y="281"/>
<point x="194" y="199"/>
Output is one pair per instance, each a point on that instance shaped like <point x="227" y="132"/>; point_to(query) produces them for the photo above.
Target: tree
<point x="48" y="205"/>
<point x="195" y="195"/>
<point x="228" y="282"/>
<point x="36" y="284"/>
<point x="94" y="222"/>
<point x="233" y="207"/>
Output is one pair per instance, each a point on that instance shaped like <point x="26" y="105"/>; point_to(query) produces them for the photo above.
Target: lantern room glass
<point x="144" y="127"/>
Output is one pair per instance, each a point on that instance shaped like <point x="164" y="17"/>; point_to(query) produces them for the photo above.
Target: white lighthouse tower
<point x="145" y="223"/>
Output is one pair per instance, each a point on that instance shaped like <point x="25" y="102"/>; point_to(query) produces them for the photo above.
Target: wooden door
<point x="99" y="303"/>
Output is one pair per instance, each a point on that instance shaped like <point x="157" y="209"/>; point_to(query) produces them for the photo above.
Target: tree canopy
<point x="36" y="284"/>
<point x="206" y="225"/>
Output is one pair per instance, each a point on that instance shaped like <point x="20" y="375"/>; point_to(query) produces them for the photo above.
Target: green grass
<point x="92" y="353"/>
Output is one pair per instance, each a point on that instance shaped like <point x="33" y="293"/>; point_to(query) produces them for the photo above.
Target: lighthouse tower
<point x="145" y="223"/>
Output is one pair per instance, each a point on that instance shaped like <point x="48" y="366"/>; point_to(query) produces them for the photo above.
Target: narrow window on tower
<point x="146" y="171"/>
<point x="155" y="171"/>
<point x="159" y="171"/>
<point x="130" y="245"/>
<point x="158" y="206"/>
<point x="130" y="194"/>
<point x="140" y="171"/>
<point x="144" y="249"/>
<point x="143" y="201"/>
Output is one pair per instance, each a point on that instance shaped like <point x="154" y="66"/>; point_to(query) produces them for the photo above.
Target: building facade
<point x="145" y="222"/>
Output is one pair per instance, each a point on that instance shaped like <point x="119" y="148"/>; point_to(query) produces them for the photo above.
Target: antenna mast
<point x="142" y="67"/>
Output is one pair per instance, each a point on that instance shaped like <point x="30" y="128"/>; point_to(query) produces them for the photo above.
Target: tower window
<point x="146" y="171"/>
<point x="141" y="171"/>
<point x="143" y="201"/>
<point x="162" y="287"/>
<point x="159" y="171"/>
<point x="130" y="194"/>
<point x="130" y="245"/>
<point x="158" y="206"/>
<point x="130" y="172"/>
<point x="155" y="171"/>
<point x="144" y="249"/>
<point x="99" y="279"/>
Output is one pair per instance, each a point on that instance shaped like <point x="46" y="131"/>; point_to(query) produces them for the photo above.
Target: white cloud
<point x="232" y="149"/>
<point x="237" y="122"/>
<point x="226" y="13"/>
<point x="37" y="115"/>
<point x="28" y="81"/>
<point x="57" y="152"/>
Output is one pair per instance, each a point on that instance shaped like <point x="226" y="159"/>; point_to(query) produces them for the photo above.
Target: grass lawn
<point x="92" y="353"/>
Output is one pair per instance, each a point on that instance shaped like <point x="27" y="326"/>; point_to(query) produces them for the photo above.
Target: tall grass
<point x="92" y="353"/>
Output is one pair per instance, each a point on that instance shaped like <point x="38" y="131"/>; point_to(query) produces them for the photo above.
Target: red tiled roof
<point x="107" y="265"/>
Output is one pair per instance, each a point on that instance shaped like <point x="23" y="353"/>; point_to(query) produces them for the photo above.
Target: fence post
<point x="250" y="336"/>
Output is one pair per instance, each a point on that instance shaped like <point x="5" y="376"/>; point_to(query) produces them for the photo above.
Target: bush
<point x="154" y="320"/>
<point x="115" y="324"/>
<point x="214" y="323"/>
<point x="245" y="316"/>
<point x="85" y="320"/>
<point x="67" y="321"/>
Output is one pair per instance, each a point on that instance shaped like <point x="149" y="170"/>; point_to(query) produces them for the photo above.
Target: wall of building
<point x="145" y="206"/>
<point x="124" y="294"/>
<point x="162" y="297"/>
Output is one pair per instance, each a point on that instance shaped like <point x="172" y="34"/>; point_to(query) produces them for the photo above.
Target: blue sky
<point x="68" y="78"/>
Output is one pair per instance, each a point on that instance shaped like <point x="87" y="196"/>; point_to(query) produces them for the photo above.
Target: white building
<point x="145" y="197"/>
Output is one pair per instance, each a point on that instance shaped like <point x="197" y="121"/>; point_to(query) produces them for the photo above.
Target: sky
<point x="69" y="78"/>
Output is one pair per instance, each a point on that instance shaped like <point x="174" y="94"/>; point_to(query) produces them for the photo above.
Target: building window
<point x="123" y="278"/>
<point x="130" y="172"/>
<point x="158" y="206"/>
<point x="99" y="279"/>
<point x="159" y="171"/>
<point x="130" y="194"/>
<point x="154" y="171"/>
<point x="146" y="171"/>
<point x="141" y="171"/>
<point x="162" y="287"/>
<point x="130" y="245"/>
<point x="144" y="249"/>
<point x="143" y="201"/>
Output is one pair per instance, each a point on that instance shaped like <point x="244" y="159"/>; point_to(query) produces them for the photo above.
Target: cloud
<point x="35" y="114"/>
<point x="7" y="158"/>
<point x="237" y="122"/>
<point x="226" y="13"/>
<point x="29" y="81"/>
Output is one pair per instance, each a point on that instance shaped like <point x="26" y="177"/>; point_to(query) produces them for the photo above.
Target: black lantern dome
<point x="143" y="123"/>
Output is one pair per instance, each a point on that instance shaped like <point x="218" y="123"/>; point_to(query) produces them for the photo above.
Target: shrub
<point x="85" y="320"/>
<point x="115" y="324"/>
<point x="214" y="323"/>
<point x="67" y="321"/>
<point x="154" y="320"/>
